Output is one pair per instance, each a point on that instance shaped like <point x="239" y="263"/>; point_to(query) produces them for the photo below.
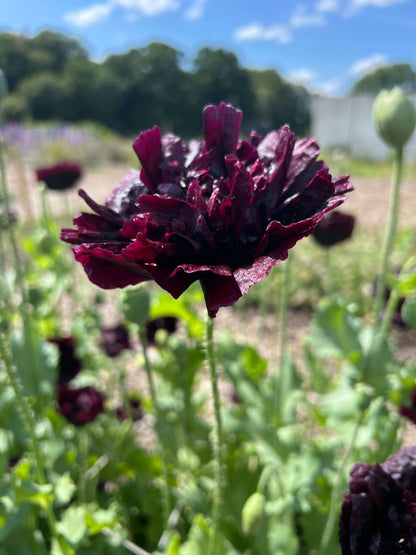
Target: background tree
<point x="386" y="78"/>
<point x="22" y="56"/>
<point x="218" y="76"/>
<point x="279" y="102"/>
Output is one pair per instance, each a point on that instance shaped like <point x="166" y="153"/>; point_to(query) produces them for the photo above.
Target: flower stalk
<point x="25" y="412"/>
<point x="389" y="236"/>
<point x="217" y="436"/>
<point x="337" y="489"/>
<point x="282" y="381"/>
<point x="155" y="402"/>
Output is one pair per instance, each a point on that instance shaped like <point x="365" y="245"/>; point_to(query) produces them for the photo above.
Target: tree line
<point x="51" y="77"/>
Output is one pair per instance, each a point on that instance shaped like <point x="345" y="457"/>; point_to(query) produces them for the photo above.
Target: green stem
<point x="26" y="415"/>
<point x="46" y="212"/>
<point x="25" y="308"/>
<point x="2" y="255"/>
<point x="155" y="403"/>
<point x="280" y="391"/>
<point x="83" y="465"/>
<point x="217" y="437"/>
<point x="389" y="236"/>
<point x="337" y="489"/>
<point x="389" y="312"/>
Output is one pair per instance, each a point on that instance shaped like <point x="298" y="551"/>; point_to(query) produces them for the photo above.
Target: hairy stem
<point x="217" y="436"/>
<point x="162" y="450"/>
<point x="389" y="236"/>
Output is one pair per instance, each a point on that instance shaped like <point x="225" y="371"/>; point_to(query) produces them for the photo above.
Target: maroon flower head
<point x="60" y="176"/>
<point x="378" y="514"/>
<point x="167" y="323"/>
<point x="69" y="364"/>
<point x="334" y="228"/>
<point x="410" y="411"/>
<point x="79" y="406"/>
<point x="135" y="410"/>
<point x="221" y="211"/>
<point x="115" y="340"/>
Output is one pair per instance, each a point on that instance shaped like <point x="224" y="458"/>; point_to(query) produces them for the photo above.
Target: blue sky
<point x="324" y="44"/>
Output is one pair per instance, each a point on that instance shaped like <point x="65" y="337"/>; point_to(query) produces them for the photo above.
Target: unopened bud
<point x="394" y="117"/>
<point x="253" y="513"/>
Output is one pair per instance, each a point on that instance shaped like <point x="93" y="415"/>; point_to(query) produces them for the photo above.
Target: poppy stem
<point x="155" y="402"/>
<point x="281" y="381"/>
<point x="389" y="236"/>
<point x="25" y="309"/>
<point x="26" y="414"/>
<point x="337" y="488"/>
<point x="217" y="437"/>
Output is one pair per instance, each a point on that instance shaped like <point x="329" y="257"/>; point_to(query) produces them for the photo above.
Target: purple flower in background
<point x="167" y="323"/>
<point x="79" y="406"/>
<point x="221" y="211"/>
<point x="135" y="410"/>
<point x="115" y="340"/>
<point x="410" y="411"/>
<point x="334" y="228"/>
<point x="69" y="365"/>
<point x="378" y="515"/>
<point x="60" y="176"/>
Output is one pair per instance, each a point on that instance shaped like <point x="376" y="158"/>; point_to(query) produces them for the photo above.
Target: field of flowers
<point x="211" y="353"/>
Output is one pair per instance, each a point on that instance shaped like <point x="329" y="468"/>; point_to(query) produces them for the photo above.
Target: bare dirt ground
<point x="369" y="203"/>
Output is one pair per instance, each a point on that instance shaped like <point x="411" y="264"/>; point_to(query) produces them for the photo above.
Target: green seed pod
<point x="394" y="117"/>
<point x="135" y="305"/>
<point x="253" y="513"/>
<point x="4" y="89"/>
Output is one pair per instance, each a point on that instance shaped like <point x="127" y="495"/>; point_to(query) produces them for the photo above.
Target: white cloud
<point x="301" y="18"/>
<point x="255" y="31"/>
<point x="329" y="88"/>
<point x="375" y="3"/>
<point x="196" y="10"/>
<point x="355" y="5"/>
<point x="149" y="7"/>
<point x="303" y="76"/>
<point x="367" y="65"/>
<point x="327" y="5"/>
<point x="90" y="15"/>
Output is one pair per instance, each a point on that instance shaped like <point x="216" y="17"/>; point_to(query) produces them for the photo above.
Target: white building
<point x="346" y="124"/>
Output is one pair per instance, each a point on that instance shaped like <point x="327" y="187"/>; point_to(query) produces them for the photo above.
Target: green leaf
<point x="199" y="540"/>
<point x="98" y="519"/>
<point x="64" y="488"/>
<point x="165" y="305"/>
<point x="335" y="332"/>
<point x="29" y="492"/>
<point x="73" y="526"/>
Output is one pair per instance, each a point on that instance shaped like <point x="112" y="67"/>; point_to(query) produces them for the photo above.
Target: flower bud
<point x="253" y="513"/>
<point x="4" y="89"/>
<point x="135" y="305"/>
<point x="394" y="117"/>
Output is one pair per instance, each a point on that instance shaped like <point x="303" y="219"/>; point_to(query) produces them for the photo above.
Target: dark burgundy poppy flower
<point x="135" y="410"/>
<point x="115" y="339"/>
<point x="167" y="323"/>
<point x="334" y="228"/>
<point x="79" y="406"/>
<point x="69" y="364"/>
<point x="60" y="176"/>
<point x="221" y="211"/>
<point x="410" y="411"/>
<point x="378" y="514"/>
